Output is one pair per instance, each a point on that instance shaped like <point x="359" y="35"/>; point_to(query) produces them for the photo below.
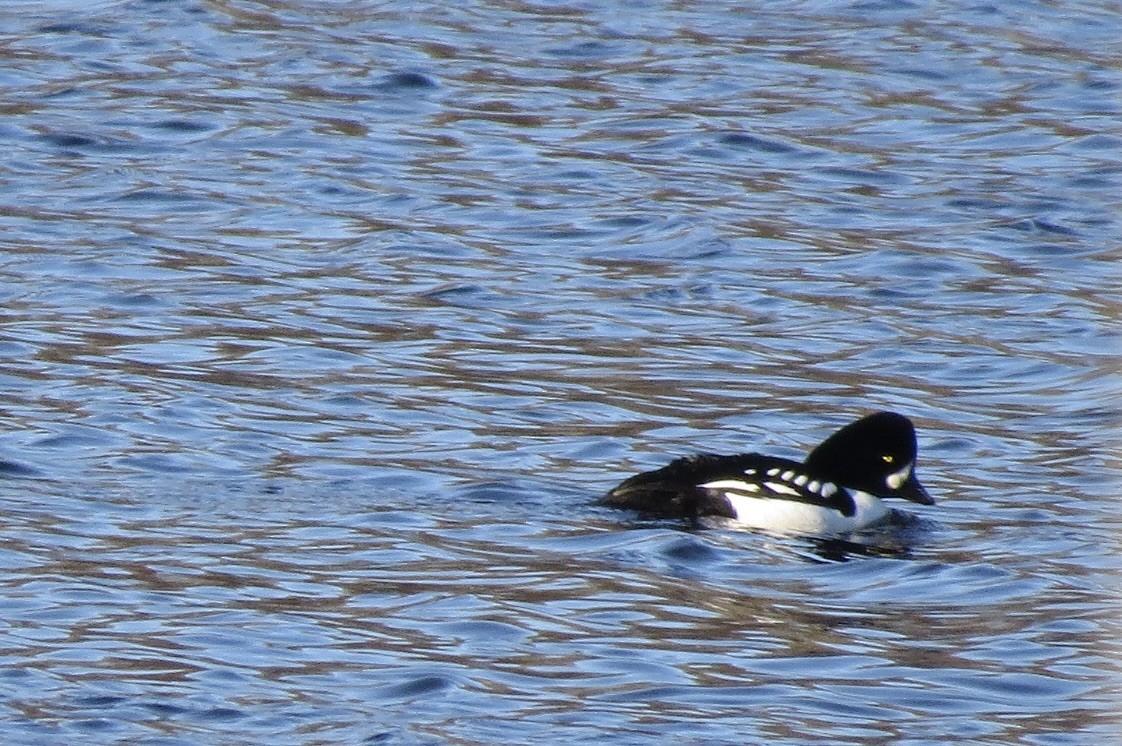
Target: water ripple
<point x="323" y="326"/>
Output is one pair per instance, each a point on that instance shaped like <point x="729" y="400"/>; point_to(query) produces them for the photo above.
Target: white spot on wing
<point x="814" y="485"/>
<point x="801" y="479"/>
<point x="786" y="476"/>
<point x="781" y="489"/>
<point x="828" y="489"/>
<point x="773" y="471"/>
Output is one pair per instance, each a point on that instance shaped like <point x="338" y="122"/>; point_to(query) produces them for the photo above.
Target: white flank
<point x="793" y="517"/>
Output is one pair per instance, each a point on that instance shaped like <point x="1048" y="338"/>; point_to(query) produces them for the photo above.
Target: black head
<point x="875" y="454"/>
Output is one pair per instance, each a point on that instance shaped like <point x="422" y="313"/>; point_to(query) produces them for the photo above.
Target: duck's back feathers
<point x="674" y="489"/>
<point x="708" y="485"/>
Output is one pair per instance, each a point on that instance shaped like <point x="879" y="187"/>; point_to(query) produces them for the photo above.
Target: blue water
<point x="324" y="324"/>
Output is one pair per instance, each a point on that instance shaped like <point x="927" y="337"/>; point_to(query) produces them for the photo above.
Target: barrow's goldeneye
<point x="834" y="491"/>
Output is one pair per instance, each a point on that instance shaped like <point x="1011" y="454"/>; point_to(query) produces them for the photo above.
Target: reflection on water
<point x="323" y="325"/>
<point x="295" y="614"/>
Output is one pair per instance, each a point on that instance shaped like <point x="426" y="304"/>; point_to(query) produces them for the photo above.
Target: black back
<point x="674" y="489"/>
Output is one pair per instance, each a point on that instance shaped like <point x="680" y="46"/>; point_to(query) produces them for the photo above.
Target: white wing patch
<point x="735" y="485"/>
<point x="781" y="489"/>
<point x="812" y="486"/>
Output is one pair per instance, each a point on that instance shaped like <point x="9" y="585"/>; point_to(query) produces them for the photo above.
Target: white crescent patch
<point x="896" y="479"/>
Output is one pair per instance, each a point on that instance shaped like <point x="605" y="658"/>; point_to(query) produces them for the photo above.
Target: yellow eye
<point x="888" y="458"/>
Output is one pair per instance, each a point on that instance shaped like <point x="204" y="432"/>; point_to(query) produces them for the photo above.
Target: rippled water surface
<point x="323" y="324"/>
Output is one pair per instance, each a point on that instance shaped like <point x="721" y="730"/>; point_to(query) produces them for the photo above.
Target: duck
<point x="836" y="490"/>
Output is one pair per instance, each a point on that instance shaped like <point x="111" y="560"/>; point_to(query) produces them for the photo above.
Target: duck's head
<point x="875" y="454"/>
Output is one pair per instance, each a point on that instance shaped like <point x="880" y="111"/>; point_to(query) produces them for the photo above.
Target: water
<point x="324" y="324"/>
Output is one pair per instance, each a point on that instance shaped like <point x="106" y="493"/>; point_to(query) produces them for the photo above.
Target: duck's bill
<point x="914" y="491"/>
